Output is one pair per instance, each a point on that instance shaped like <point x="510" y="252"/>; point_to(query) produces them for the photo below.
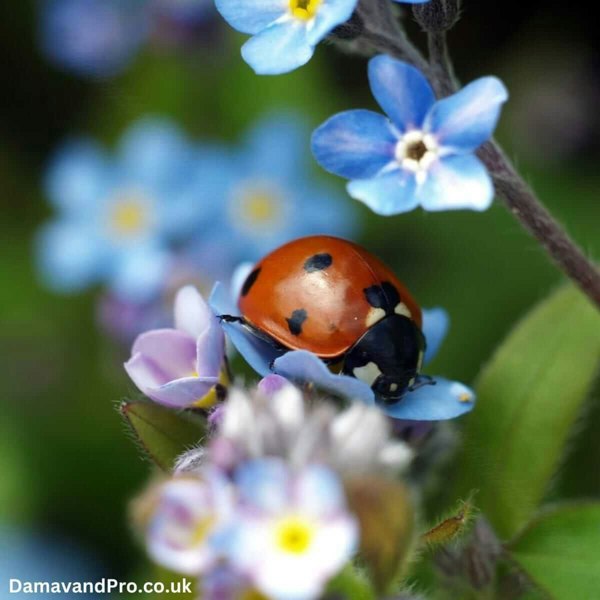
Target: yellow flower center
<point x="294" y="535"/>
<point x="257" y="206"/>
<point x="260" y="207"/>
<point x="201" y="530"/>
<point x="129" y="216"/>
<point x="304" y="9"/>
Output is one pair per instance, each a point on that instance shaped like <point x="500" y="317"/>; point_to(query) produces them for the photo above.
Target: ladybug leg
<point x="231" y="319"/>
<point x="421" y="381"/>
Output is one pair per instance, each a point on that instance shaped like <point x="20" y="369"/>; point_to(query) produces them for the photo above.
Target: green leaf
<point x="529" y="396"/>
<point x="349" y="584"/>
<point x="559" y="550"/>
<point x="163" y="433"/>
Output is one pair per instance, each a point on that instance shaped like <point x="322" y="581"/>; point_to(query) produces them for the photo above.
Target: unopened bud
<point x="437" y="16"/>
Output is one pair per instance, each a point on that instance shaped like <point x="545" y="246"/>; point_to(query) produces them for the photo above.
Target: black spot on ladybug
<point x="318" y="262"/>
<point x="250" y="281"/>
<point x="296" y="321"/>
<point x="384" y="296"/>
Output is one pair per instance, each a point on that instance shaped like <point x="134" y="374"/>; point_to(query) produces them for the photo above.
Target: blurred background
<point x="67" y="467"/>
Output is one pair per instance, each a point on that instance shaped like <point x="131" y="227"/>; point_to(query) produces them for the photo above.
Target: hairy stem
<point x="510" y="187"/>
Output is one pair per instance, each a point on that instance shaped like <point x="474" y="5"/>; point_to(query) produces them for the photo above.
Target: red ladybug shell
<point x="316" y="293"/>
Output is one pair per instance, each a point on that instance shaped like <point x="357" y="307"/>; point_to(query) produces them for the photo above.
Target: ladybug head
<point x="387" y="357"/>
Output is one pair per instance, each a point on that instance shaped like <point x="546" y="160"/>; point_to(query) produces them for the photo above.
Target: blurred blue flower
<point x="30" y="556"/>
<point x="92" y="37"/>
<point x="443" y="400"/>
<point x="423" y="154"/>
<point x="265" y="191"/>
<point x="285" y="32"/>
<point x="117" y="216"/>
<point x="100" y="38"/>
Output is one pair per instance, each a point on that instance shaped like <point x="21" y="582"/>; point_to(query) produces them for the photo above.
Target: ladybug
<point x="333" y="298"/>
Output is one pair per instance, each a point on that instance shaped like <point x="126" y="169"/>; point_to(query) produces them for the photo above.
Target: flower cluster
<point x="264" y="507"/>
<point x="99" y="38"/>
<point x="154" y="216"/>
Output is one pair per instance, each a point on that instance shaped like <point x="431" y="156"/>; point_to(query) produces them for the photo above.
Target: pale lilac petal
<point x="210" y="349"/>
<point x="183" y="393"/>
<point x="161" y="356"/>
<point x="192" y="314"/>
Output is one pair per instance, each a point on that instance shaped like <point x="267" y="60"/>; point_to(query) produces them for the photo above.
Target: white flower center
<point x="416" y="151"/>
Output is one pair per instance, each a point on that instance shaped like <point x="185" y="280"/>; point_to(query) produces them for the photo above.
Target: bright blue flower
<point x="118" y="216"/>
<point x="97" y="38"/>
<point x="265" y="191"/>
<point x="443" y="399"/>
<point x="285" y="32"/>
<point x="423" y="154"/>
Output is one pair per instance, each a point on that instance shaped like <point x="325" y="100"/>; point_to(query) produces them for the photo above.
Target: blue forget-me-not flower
<point x="423" y="153"/>
<point x="285" y="32"/>
<point x="118" y="216"/>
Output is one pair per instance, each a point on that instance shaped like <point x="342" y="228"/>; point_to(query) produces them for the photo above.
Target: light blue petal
<point x="388" y="194"/>
<point x="305" y="367"/>
<point x="78" y="178"/>
<point x="355" y="144"/>
<point x="278" y="49"/>
<point x="221" y="301"/>
<point x="330" y="14"/>
<point x="444" y="400"/>
<point x="401" y="90"/>
<point x="140" y="273"/>
<point x="251" y="16"/>
<point x="69" y="257"/>
<point x="264" y="484"/>
<point x="435" y="327"/>
<point x="258" y="353"/>
<point x="465" y="120"/>
<point x="154" y="152"/>
<point x="455" y="182"/>
<point x="276" y="148"/>
<point x="318" y="492"/>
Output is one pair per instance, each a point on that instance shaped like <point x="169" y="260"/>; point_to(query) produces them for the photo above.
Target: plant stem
<point x="511" y="189"/>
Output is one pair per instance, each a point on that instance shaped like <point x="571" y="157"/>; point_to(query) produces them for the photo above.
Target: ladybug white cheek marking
<point x="369" y="373"/>
<point x="374" y="315"/>
<point x="402" y="309"/>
